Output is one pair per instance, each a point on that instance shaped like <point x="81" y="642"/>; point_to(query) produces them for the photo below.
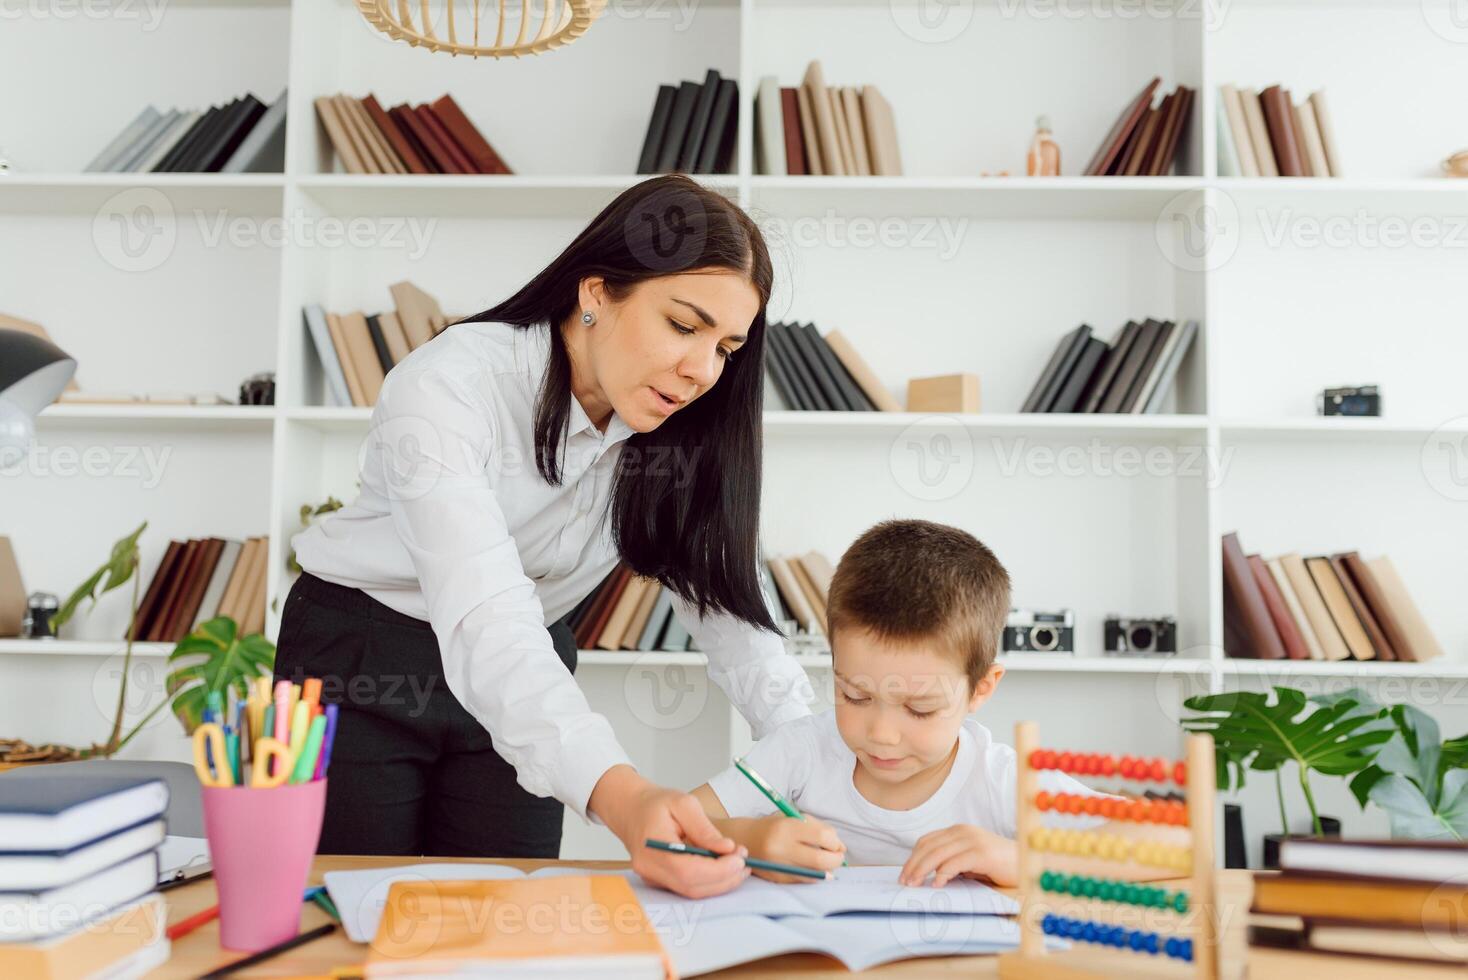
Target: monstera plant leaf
<point x="214" y="658"/>
<point x="118" y="568"/>
<point x="1413" y="816"/>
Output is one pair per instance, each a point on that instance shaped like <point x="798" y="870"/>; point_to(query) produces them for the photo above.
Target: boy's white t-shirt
<point x="808" y="763"/>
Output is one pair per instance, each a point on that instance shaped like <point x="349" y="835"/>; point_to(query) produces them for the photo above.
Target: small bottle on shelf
<point x="1043" y="159"/>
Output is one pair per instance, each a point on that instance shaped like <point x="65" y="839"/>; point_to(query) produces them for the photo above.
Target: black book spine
<point x="677" y="127"/>
<point x="662" y="108"/>
<point x="189" y="162"/>
<point x="186" y="140"/>
<point x="805" y="385"/>
<point x="725" y="162"/>
<point x="850" y="390"/>
<point x="1110" y="364"/>
<point x="822" y="389"/>
<point x="823" y="377"/>
<point x="776" y="370"/>
<point x="1073" y="342"/>
<point x="379" y="342"/>
<point x="699" y="122"/>
<point x="713" y="142"/>
<point x="235" y="135"/>
<point x="1126" y="375"/>
<point x="1080" y="376"/>
<point x="1150" y="364"/>
<point x="1032" y="400"/>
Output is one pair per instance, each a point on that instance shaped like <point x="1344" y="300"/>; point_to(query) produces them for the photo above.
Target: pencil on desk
<point x="789" y="869"/>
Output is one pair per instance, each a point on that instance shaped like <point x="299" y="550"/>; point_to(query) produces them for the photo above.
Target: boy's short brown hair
<point x="910" y="580"/>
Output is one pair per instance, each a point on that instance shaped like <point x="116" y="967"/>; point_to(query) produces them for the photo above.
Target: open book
<point x="872" y="920"/>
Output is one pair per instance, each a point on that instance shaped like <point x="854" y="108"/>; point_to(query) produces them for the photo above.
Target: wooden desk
<point x="199" y="952"/>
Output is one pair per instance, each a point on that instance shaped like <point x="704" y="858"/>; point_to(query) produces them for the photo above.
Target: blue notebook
<point x="57" y="812"/>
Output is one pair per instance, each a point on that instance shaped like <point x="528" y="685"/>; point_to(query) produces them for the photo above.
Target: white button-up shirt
<point x="454" y="525"/>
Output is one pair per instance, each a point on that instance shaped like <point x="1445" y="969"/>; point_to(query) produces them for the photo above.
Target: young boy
<point x="896" y="773"/>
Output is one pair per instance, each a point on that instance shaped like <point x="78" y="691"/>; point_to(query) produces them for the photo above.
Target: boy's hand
<point x="810" y="843"/>
<point x="961" y="850"/>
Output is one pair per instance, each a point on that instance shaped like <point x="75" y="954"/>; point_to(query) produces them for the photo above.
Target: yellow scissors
<point x="267" y="749"/>
<point x="211" y="761"/>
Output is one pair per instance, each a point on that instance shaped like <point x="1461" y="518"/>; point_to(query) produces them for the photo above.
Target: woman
<point x="609" y="409"/>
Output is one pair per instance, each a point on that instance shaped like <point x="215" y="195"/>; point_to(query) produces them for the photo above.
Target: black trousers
<point x="411" y="772"/>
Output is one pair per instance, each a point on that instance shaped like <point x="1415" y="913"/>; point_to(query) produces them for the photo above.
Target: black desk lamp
<point x="33" y="373"/>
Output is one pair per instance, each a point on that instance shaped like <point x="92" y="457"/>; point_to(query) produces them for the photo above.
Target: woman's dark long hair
<point x="685" y="501"/>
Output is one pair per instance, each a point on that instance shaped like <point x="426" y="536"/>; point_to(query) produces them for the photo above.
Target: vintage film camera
<point x="1132" y="636"/>
<point x="1029" y="631"/>
<point x="1357" y="400"/>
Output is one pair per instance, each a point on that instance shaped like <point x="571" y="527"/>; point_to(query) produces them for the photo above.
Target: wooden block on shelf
<point x="944" y="393"/>
<point x="12" y="592"/>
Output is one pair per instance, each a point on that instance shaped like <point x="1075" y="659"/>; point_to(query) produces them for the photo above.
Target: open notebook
<point x="872" y="922"/>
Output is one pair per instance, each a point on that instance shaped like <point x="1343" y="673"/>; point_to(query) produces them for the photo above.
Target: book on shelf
<point x="1397" y="899"/>
<point x="1324" y="607"/>
<point x="431" y="138"/>
<point x="357" y="349"/>
<point x="86" y="397"/>
<point x="80" y="874"/>
<point x="1265" y="133"/>
<point x="241" y="136"/>
<point x="811" y="372"/>
<point x="693" y="129"/>
<point x="824" y="130"/>
<point x="1145" y="139"/>
<point x="199" y="579"/>
<point x="1132" y="374"/>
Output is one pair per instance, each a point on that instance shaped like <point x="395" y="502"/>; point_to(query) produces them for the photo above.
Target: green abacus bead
<point x="1045" y="880"/>
<point x="1156" y="898"/>
<point x="1076" y="885"/>
<point x="1090" y="888"/>
<point x="1180" y="902"/>
<point x="1133" y="894"/>
<point x="1108" y="891"/>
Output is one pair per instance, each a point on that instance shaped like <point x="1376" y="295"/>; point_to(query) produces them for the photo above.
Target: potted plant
<point x="1252" y="730"/>
<point x="214" y="657"/>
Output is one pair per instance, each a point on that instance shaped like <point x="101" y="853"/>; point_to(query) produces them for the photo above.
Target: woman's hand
<point x="809" y="843"/>
<point x="636" y="809"/>
<point x="961" y="850"/>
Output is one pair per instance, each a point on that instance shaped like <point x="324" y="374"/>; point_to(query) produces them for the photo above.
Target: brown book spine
<point x="1280" y="118"/>
<point x="175" y="586"/>
<point x="1384" y="649"/>
<point x="1167" y="151"/>
<point x="1289" y="633"/>
<point x="156" y="588"/>
<point x="412" y="129"/>
<point x="254" y="611"/>
<point x="229" y="603"/>
<point x="1376" y="600"/>
<point x="389" y="128"/>
<point x="790" y="122"/>
<point x="445" y="147"/>
<point x="603" y="596"/>
<point x="183" y="622"/>
<point x="614" y="595"/>
<point x="1256" y="623"/>
<point x="468" y="136"/>
<point x="1131" y="160"/>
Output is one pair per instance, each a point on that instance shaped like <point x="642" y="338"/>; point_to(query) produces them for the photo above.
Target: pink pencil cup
<point x="261" y="842"/>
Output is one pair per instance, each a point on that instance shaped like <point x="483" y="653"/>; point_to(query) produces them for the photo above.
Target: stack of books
<point x="1336" y="607"/>
<point x="809" y="372"/>
<point x="1130" y="375"/>
<point x="1144" y="141"/>
<point x="693" y="129"/>
<point x="358" y="349"/>
<point x="1384" y="899"/>
<point x="820" y="129"/>
<point x="631" y="612"/>
<point x="202" y="578"/>
<point x="432" y="138"/>
<point x="243" y="136"/>
<point x="79" y="875"/>
<point x="1264" y="134"/>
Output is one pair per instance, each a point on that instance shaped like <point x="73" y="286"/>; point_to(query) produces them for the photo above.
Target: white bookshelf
<point x="985" y="275"/>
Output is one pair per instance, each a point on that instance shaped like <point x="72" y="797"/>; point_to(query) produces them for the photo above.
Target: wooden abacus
<point x="1076" y="884"/>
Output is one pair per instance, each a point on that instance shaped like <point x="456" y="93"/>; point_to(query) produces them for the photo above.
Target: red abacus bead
<point x="1065" y="762"/>
<point x="1108" y="765"/>
<point x="1035" y="759"/>
<point x="1091" y="805"/>
<point x="1180" y="773"/>
<point x="1159" y="770"/>
<point x="1043" y="800"/>
<point x="1124" y="766"/>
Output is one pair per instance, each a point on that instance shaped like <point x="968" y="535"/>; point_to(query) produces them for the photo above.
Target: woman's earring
<point x="588" y="318"/>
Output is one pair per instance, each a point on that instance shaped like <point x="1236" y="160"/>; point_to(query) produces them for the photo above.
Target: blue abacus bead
<point x="1187" y="950"/>
<point x="1137" y="941"/>
<point x="1171" y="947"/>
<point x="1088" y="932"/>
<point x="1151" y="943"/>
<point x="1047" y="925"/>
<point x="1118" y="937"/>
<point x="1073" y="928"/>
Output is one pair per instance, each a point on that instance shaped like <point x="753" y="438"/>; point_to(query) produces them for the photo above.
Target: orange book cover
<point x="459" y="926"/>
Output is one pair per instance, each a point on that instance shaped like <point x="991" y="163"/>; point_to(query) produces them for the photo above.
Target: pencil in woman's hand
<point x="788" y="869"/>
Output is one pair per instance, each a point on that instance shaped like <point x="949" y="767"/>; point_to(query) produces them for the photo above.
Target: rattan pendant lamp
<point x="560" y="23"/>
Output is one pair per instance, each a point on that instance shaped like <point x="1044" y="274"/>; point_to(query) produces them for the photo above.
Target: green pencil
<point x="789" y="869"/>
<point x="772" y="794"/>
